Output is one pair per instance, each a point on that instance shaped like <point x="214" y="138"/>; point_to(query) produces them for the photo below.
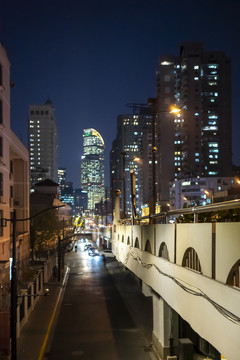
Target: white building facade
<point x="192" y="191"/>
<point x="14" y="182"/>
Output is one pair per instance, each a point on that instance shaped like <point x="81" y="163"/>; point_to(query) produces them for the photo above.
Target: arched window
<point x="233" y="276"/>
<point x="191" y="260"/>
<point x="163" y="251"/>
<point x="136" y="245"/>
<point x="128" y="240"/>
<point x="118" y="236"/>
<point x="148" y="247"/>
<point x="122" y="238"/>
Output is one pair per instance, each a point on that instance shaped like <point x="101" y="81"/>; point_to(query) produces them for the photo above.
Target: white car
<point x="92" y="251"/>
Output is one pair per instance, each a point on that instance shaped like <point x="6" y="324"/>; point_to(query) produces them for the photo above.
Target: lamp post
<point x="172" y="110"/>
<point x="210" y="193"/>
<point x="133" y="195"/>
<point x="124" y="183"/>
<point x="14" y="296"/>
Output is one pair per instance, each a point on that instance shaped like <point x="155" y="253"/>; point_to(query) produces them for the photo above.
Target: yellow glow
<point x="174" y="110"/>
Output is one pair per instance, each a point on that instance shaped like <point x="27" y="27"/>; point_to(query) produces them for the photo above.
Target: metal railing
<point x="195" y="210"/>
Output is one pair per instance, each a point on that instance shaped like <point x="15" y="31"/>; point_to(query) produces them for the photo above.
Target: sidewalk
<point x="34" y="334"/>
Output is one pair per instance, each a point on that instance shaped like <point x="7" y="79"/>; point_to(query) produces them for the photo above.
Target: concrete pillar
<point x="163" y="326"/>
<point x="117" y="207"/>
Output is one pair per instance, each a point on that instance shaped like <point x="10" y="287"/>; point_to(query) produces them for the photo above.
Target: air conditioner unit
<point x="185" y="349"/>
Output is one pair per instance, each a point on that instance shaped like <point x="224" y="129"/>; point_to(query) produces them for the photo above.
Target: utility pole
<point x="124" y="183"/>
<point x="14" y="295"/>
<point x="133" y="195"/>
<point x="14" y="291"/>
<point x="59" y="258"/>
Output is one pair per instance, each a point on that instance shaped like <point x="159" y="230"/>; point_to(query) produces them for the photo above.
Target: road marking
<point x="51" y="320"/>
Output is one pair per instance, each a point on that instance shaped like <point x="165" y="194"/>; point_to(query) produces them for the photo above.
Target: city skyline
<point x="91" y="64"/>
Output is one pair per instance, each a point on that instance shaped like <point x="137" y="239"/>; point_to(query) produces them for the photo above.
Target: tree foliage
<point x="44" y="231"/>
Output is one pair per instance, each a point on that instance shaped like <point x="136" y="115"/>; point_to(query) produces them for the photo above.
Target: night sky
<point x="92" y="57"/>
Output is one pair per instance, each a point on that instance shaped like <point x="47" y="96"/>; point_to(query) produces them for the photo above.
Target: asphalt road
<point x="102" y="315"/>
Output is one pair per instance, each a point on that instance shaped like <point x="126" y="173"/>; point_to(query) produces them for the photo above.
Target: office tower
<point x="196" y="142"/>
<point x="61" y="179"/>
<point x="92" y="167"/>
<point x="67" y="194"/>
<point x="80" y="201"/>
<point x="42" y="142"/>
<point x="128" y="154"/>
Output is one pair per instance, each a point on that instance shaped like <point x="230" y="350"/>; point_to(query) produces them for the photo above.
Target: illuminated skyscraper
<point x="198" y="141"/>
<point x="42" y="142"/>
<point x="61" y="179"/>
<point x="130" y="151"/>
<point x="92" y="167"/>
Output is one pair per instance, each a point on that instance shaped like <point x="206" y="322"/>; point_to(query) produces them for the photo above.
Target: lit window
<point x="213" y="66"/>
<point x="196" y="67"/>
<point x="166" y="63"/>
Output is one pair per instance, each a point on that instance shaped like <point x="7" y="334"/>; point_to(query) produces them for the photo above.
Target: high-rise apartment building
<point x="92" y="167"/>
<point x="128" y="154"/>
<point x="196" y="142"/>
<point x="61" y="179"/>
<point x="42" y="139"/>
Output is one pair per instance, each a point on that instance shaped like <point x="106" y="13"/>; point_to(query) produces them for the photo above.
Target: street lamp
<point x="124" y="183"/>
<point x="14" y="296"/>
<point x="133" y="195"/>
<point x="210" y="193"/>
<point x="172" y="110"/>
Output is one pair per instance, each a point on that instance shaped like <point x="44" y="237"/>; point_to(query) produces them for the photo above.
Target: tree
<point x="44" y="231"/>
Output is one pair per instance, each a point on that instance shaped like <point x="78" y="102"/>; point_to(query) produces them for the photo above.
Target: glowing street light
<point x="174" y="110"/>
<point x="210" y="193"/>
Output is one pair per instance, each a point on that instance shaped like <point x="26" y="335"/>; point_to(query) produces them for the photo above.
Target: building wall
<point x="43" y="142"/>
<point x="14" y="167"/>
<point x="177" y="284"/>
<point x="199" y="82"/>
<point x="131" y="143"/>
<point x="227" y="248"/>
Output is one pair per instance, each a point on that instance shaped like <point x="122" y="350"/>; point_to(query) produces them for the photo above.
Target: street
<point x="102" y="315"/>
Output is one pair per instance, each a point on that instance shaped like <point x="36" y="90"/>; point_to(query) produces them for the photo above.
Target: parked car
<point x="92" y="251"/>
<point x="108" y="253"/>
<point x="69" y="247"/>
<point x="87" y="246"/>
